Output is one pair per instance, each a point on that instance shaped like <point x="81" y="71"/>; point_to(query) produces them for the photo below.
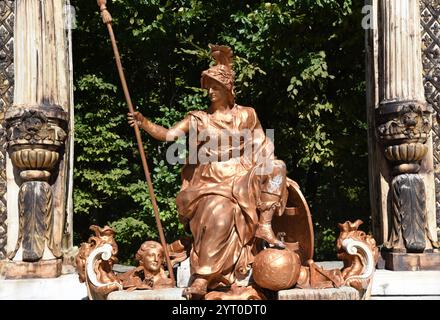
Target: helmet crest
<point x="222" y="71"/>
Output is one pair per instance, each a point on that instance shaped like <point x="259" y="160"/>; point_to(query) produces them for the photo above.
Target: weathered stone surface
<point x="343" y="293"/>
<point x="421" y="284"/>
<point x="42" y="82"/>
<point x="403" y="222"/>
<point x="66" y="287"/>
<point x="120" y="268"/>
<point x="412" y="262"/>
<point x="160" y="294"/>
<point x="328" y="265"/>
<point x="26" y="270"/>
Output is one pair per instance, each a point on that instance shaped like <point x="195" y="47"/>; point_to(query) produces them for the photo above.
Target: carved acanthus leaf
<point x="410" y="210"/>
<point x="35" y="204"/>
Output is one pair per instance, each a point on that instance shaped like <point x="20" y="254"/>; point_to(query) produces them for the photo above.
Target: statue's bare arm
<point x="158" y="132"/>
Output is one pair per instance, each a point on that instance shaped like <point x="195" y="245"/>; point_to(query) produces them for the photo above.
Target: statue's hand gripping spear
<point x="107" y="19"/>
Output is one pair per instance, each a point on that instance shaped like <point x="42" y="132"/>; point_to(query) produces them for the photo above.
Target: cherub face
<point x="152" y="259"/>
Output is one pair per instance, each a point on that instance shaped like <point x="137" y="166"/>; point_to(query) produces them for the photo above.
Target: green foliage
<point x="325" y="242"/>
<point x="299" y="63"/>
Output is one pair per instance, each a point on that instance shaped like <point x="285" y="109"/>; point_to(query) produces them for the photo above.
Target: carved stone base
<point x="343" y="293"/>
<point x="411" y="261"/>
<point x="30" y="270"/>
<point x="159" y="294"/>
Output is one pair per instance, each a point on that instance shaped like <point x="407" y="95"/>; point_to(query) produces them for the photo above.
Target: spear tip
<point x="106" y="17"/>
<point x="101" y="3"/>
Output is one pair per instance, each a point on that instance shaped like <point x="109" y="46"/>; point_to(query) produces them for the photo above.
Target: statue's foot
<point x="197" y="290"/>
<point x="265" y="232"/>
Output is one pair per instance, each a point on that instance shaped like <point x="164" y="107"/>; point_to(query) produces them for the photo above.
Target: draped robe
<point x="219" y="197"/>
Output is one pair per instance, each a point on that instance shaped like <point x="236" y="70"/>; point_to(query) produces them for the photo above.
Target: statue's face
<point x="152" y="259"/>
<point x="217" y="92"/>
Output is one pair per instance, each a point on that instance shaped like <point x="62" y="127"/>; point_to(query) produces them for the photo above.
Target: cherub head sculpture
<point x="150" y="273"/>
<point x="150" y="256"/>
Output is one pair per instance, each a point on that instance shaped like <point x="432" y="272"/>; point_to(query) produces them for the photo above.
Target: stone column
<point x="401" y="165"/>
<point x="37" y="133"/>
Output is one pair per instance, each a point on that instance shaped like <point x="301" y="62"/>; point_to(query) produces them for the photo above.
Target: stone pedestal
<point x="343" y="293"/>
<point x="29" y="270"/>
<point x="160" y="294"/>
<point x="411" y="261"/>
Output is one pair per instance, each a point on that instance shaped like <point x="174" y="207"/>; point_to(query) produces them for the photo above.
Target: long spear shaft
<point x="107" y="19"/>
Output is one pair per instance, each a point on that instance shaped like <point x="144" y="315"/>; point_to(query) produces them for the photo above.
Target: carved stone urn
<point x="403" y="129"/>
<point x="36" y="138"/>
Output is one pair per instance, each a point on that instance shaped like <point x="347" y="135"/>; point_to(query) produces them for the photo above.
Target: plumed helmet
<point x="222" y="71"/>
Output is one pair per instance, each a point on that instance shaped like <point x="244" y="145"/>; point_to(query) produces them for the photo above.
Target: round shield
<point x="295" y="224"/>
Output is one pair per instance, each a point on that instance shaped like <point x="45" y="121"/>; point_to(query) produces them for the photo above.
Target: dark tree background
<point x="299" y="63"/>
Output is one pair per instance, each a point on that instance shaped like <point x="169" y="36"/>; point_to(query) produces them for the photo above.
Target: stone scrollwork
<point x="103" y="253"/>
<point x="359" y="253"/>
<point x="94" y="263"/>
<point x="361" y="250"/>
